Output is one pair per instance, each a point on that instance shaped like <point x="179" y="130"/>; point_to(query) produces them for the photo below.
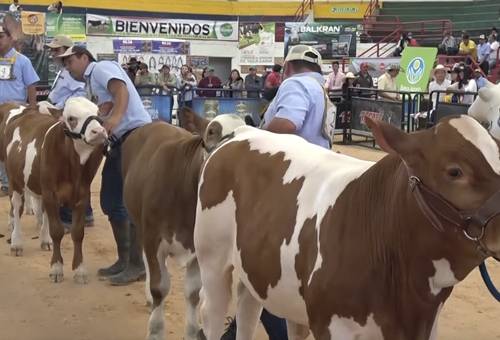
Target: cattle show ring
<point x="251" y="169"/>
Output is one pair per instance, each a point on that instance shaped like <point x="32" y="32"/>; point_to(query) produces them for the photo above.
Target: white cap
<point x="350" y="75"/>
<point x="305" y="53"/>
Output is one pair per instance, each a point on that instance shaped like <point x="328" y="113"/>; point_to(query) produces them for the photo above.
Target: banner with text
<point x="72" y="25"/>
<point x="155" y="61"/>
<point x="162" y="28"/>
<point x="332" y="40"/>
<point x="257" y="43"/>
<point x="33" y="22"/>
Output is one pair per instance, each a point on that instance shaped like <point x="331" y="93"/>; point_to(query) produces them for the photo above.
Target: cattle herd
<point x="339" y="247"/>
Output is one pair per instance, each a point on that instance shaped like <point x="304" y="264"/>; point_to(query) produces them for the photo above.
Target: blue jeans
<point x="65" y="214"/>
<point x="275" y="327"/>
<point x="112" y="187"/>
<point x="3" y="176"/>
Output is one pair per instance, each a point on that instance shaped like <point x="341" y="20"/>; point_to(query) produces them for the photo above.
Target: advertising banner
<point x="389" y="112"/>
<point x="211" y="107"/>
<point x="72" y="25"/>
<point x="156" y="61"/>
<point x="332" y="39"/>
<point x="339" y="10"/>
<point x="150" y="46"/>
<point x="162" y="28"/>
<point x="33" y="22"/>
<point x="257" y="43"/>
<point x="416" y="67"/>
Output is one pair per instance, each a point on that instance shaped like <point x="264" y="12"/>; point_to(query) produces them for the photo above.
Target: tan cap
<point x="440" y="67"/>
<point x="350" y="75"/>
<point x="60" y="41"/>
<point x="75" y="49"/>
<point x="304" y="52"/>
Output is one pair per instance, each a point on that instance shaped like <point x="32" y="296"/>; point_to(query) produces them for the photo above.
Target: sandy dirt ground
<point x="32" y="308"/>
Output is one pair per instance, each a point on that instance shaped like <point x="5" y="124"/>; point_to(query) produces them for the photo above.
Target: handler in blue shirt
<point x="63" y="88"/>
<point x="106" y="82"/>
<point x="17" y="84"/>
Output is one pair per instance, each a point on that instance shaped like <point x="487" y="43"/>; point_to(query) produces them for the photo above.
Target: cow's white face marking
<point x="29" y="158"/>
<point x="473" y="132"/>
<point x="443" y="277"/>
<point x="14" y="112"/>
<point x="75" y="113"/>
<point x="229" y="123"/>
<point x="16" y="137"/>
<point x="348" y="329"/>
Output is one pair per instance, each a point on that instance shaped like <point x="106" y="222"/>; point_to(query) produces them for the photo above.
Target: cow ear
<point x="390" y="139"/>
<point x="56" y="113"/>
<point x="189" y="120"/>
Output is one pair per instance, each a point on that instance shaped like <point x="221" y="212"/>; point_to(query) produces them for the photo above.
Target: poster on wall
<point x="33" y="22"/>
<point x="257" y="43"/>
<point x="197" y="62"/>
<point x="72" y="25"/>
<point x="150" y="46"/>
<point x="155" y="60"/>
<point x="333" y="40"/>
<point x="416" y="67"/>
<point x="162" y="28"/>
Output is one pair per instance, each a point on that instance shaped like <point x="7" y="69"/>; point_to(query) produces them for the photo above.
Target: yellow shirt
<point x="469" y="49"/>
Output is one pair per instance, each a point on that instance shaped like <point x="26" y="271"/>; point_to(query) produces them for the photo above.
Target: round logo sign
<point x="415" y="70"/>
<point x="226" y="29"/>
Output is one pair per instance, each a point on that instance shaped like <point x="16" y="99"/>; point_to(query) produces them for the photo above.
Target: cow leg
<point x="159" y="286"/>
<point x="77" y="234"/>
<point x="56" y="229"/>
<point x="29" y="204"/>
<point x="296" y="331"/>
<point x="192" y="286"/>
<point x="247" y="314"/>
<point x="42" y="224"/>
<point x="215" y="296"/>
<point x="16" y="246"/>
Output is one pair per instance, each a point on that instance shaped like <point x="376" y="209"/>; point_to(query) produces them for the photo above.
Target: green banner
<point x="416" y="67"/>
<point x="72" y="25"/>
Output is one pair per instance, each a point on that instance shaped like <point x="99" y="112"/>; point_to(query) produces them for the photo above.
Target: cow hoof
<point x="16" y="251"/>
<point x="46" y="246"/>
<point x="56" y="273"/>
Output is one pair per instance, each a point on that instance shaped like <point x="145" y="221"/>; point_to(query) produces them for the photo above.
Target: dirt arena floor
<point x="32" y="308"/>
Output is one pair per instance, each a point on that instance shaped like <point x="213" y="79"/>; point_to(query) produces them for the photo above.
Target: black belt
<point x="114" y="142"/>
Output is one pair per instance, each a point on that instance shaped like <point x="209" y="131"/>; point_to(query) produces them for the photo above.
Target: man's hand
<point x="110" y="124"/>
<point x="105" y="108"/>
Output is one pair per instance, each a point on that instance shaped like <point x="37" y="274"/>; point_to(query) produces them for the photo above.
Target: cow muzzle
<point x="83" y="131"/>
<point x="472" y="224"/>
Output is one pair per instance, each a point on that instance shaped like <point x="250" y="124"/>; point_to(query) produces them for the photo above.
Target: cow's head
<point x="486" y="108"/>
<point x="81" y="121"/>
<point x="214" y="131"/>
<point x="458" y="160"/>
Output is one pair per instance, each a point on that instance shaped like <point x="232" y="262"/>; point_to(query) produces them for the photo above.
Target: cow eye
<point x="71" y="119"/>
<point x="454" y="173"/>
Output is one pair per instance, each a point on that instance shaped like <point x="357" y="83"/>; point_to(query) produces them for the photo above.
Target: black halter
<point x="81" y="134"/>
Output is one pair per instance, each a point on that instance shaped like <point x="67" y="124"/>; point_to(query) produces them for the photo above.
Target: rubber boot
<point x="121" y="232"/>
<point x="135" y="270"/>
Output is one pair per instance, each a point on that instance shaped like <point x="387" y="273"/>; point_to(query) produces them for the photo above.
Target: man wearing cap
<point x="63" y="88"/>
<point x="483" y="54"/>
<point x="107" y="82"/>
<point x="211" y="81"/>
<point x="387" y="82"/>
<point x="299" y="105"/>
<point x="440" y="83"/>
<point x="18" y="81"/>
<point x="253" y="83"/>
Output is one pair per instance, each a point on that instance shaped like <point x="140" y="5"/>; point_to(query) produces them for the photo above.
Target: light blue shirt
<point x="65" y="87"/>
<point x="24" y="75"/>
<point x="481" y="82"/>
<point x="483" y="51"/>
<point x="301" y="100"/>
<point x="97" y="77"/>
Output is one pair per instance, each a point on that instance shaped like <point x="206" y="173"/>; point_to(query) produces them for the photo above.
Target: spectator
<point x="133" y="67"/>
<point x="267" y="72"/>
<point x="335" y="79"/>
<point x="494" y="33"/>
<point x="402" y="43"/>
<point x="204" y="72"/>
<point x="449" y="44"/>
<point x="480" y="79"/>
<point x="253" y="83"/>
<point x="186" y="85"/>
<point x="483" y="54"/>
<point x="349" y="81"/>
<point x="468" y="48"/>
<point x="144" y="77"/>
<point x="211" y="81"/>
<point x="56" y="7"/>
<point x="365" y="80"/>
<point x="15" y="7"/>
<point x="168" y="81"/>
<point x="492" y="60"/>
<point x="17" y="84"/>
<point x="387" y="82"/>
<point x="440" y="83"/>
<point x="273" y="80"/>
<point x="235" y="83"/>
<point x="463" y="83"/>
<point x="412" y="42"/>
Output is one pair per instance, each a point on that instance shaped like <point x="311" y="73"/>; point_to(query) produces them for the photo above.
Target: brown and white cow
<point x="346" y="248"/>
<point x="53" y="161"/>
<point x="161" y="166"/>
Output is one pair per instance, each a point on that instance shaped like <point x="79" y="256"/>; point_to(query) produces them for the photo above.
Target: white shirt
<point x="13" y="8"/>
<point x="434" y="86"/>
<point x="493" y="54"/>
